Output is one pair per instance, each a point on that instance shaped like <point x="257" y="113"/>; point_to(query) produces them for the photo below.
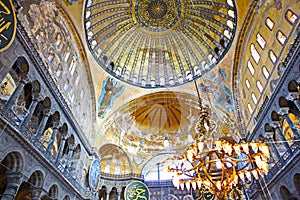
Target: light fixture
<point x="217" y="164"/>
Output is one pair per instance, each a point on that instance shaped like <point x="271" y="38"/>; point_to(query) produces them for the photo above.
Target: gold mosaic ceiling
<point x="159" y="43"/>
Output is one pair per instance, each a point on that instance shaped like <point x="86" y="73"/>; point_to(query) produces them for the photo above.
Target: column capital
<point x="24" y="78"/>
<point x="56" y="125"/>
<point x="47" y="112"/>
<point x="275" y="124"/>
<point x="292" y="96"/>
<point x="269" y="134"/>
<point x="283" y="110"/>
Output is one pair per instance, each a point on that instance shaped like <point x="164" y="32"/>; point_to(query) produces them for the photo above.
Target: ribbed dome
<point x="159" y="43"/>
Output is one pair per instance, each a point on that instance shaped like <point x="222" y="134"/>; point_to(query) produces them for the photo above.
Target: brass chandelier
<point x="217" y="164"/>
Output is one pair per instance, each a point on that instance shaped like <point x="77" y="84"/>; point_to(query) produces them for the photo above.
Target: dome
<point x="159" y="43"/>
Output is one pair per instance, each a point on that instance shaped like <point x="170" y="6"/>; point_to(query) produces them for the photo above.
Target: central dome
<point x="159" y="43"/>
<point x="157" y="15"/>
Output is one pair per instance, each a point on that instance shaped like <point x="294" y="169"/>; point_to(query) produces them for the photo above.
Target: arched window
<point x="251" y="68"/>
<point x="272" y="56"/>
<point x="254" y="98"/>
<point x="248" y="84"/>
<point x="290" y="16"/>
<point x="260" y="40"/>
<point x="259" y="86"/>
<point x="265" y="72"/>
<point x="254" y="53"/>
<point x="280" y="37"/>
<point x="269" y="23"/>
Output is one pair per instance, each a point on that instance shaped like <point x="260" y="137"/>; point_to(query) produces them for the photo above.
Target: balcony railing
<point x="15" y="121"/>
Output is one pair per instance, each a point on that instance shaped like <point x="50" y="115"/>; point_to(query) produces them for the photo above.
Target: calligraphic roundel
<point x="136" y="190"/>
<point x="8" y="22"/>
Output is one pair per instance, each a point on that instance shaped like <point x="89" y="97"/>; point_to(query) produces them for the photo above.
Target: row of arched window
<point x="281" y="37"/>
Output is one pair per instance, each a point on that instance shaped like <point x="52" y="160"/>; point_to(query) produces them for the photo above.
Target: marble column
<point x="36" y="193"/>
<point x="60" y="149"/>
<point x="13" y="183"/>
<point x="53" y="136"/>
<point x="107" y="195"/>
<point x="31" y="109"/>
<point x="276" y="126"/>
<point x="294" y="96"/>
<point x="70" y="153"/>
<point x="274" y="149"/>
<point x="42" y="125"/>
<point x="285" y="113"/>
<point x="16" y="93"/>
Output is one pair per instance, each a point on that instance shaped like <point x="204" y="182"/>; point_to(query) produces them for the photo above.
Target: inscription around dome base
<point x="157" y="15"/>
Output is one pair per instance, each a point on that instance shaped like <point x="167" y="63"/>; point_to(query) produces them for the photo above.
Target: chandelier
<point x="217" y="164"/>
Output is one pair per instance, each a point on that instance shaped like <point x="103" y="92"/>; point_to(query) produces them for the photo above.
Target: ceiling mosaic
<point x="159" y="43"/>
<point x="145" y="124"/>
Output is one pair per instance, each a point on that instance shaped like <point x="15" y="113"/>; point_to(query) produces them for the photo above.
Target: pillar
<point x="274" y="149"/>
<point x="107" y="195"/>
<point x="30" y="111"/>
<point x="275" y="125"/>
<point x="12" y="186"/>
<point x="285" y="113"/>
<point x="53" y="136"/>
<point x="15" y="95"/>
<point x="36" y="193"/>
<point x="42" y="125"/>
<point x="70" y="153"/>
<point x="60" y="149"/>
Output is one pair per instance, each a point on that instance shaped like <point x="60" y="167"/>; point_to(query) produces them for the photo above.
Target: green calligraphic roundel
<point x="136" y="190"/>
<point x="8" y="22"/>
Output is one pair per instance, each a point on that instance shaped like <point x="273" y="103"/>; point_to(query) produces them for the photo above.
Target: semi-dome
<point x="159" y="43"/>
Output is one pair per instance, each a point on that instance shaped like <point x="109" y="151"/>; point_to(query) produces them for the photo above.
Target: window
<point x="280" y="37"/>
<point x="254" y="98"/>
<point x="227" y="34"/>
<point x="269" y="23"/>
<point x="230" y="24"/>
<point x="265" y="72"/>
<point x="251" y="68"/>
<point x="259" y="86"/>
<point x="231" y="13"/>
<point x="291" y="16"/>
<point x="272" y="56"/>
<point x="254" y="53"/>
<point x="250" y="108"/>
<point x="248" y="84"/>
<point x="230" y="2"/>
<point x="260" y="40"/>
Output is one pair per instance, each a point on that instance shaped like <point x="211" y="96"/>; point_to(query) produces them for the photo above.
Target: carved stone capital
<point x="283" y="111"/>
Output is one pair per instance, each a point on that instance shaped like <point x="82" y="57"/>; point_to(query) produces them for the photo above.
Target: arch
<point x="284" y="193"/>
<point x="13" y="162"/>
<point x="36" y="179"/>
<point x="113" y="155"/>
<point x="67" y="197"/>
<point x="170" y="197"/>
<point x="283" y="102"/>
<point x="293" y="86"/>
<point x="159" y="161"/>
<point x="274" y="116"/>
<point x="22" y="64"/>
<point x="297" y="182"/>
<point x="102" y="193"/>
<point x="36" y="88"/>
<point x="53" y="192"/>
<point x="113" y="194"/>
